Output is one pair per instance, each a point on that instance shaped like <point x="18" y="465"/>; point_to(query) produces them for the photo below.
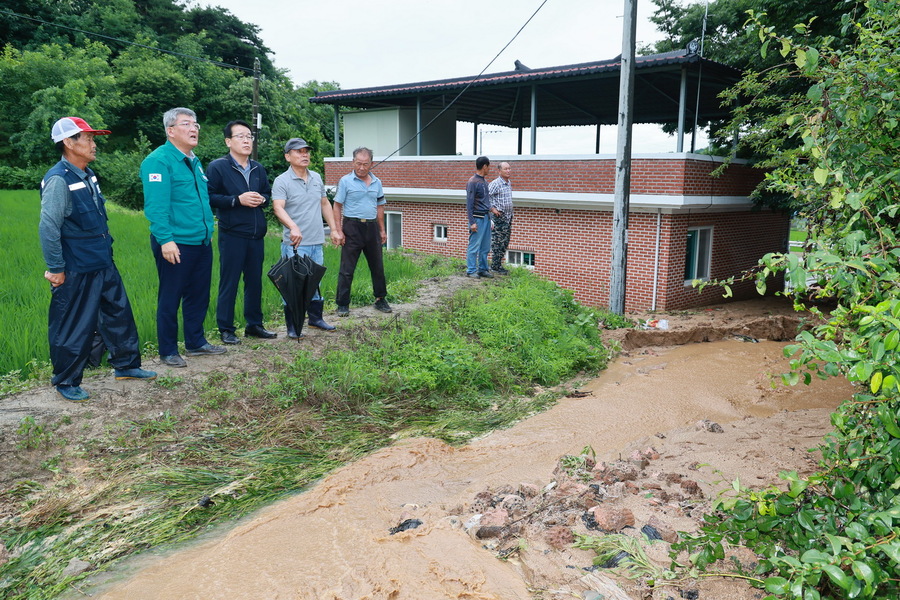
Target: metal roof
<point x="578" y="94"/>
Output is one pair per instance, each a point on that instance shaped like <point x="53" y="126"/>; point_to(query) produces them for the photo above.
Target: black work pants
<point x="85" y="303"/>
<point x="183" y="285"/>
<point x="239" y="256"/>
<point x="359" y="238"/>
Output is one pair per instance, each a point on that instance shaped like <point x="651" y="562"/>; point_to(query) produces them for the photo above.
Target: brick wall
<point x="573" y="248"/>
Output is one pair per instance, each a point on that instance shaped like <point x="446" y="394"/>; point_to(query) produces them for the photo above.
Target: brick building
<point x="684" y="224"/>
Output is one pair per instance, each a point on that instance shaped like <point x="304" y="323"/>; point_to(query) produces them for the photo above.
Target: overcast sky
<point x="363" y="44"/>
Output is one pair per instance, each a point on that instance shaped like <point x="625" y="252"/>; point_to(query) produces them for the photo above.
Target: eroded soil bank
<point x="333" y="542"/>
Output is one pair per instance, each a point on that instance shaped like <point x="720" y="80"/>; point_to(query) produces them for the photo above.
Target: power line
<point x="468" y="85"/>
<point x="126" y="42"/>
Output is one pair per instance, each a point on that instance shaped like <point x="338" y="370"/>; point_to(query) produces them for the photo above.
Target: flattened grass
<point x="455" y="372"/>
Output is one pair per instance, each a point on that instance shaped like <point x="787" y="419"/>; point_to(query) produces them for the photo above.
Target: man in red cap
<point x="88" y="295"/>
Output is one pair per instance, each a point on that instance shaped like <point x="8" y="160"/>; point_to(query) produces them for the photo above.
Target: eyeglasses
<point x="189" y="125"/>
<point x="243" y="136"/>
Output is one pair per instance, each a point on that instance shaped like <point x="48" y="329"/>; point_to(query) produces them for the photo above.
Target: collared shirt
<point x="501" y="197"/>
<point x="360" y="201"/>
<point x="303" y="204"/>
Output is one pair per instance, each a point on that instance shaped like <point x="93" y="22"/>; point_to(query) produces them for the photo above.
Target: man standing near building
<point x="300" y="203"/>
<point x="502" y="211"/>
<point x="176" y="202"/>
<point x="239" y="191"/>
<point x="87" y="291"/>
<point x="359" y="211"/>
<point x="478" y="207"/>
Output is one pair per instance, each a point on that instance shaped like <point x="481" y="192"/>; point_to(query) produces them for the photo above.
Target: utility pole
<point x="257" y="121"/>
<point x="623" y="163"/>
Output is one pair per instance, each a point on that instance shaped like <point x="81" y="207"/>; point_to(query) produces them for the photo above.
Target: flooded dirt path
<point x="333" y="542"/>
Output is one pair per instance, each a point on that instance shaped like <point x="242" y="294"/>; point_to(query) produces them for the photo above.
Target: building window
<point x="699" y="254"/>
<point x="393" y="222"/>
<point x="520" y="259"/>
<point x="440" y="233"/>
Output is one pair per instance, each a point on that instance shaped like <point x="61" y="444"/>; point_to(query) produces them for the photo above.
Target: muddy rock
<point x="664" y="529"/>
<point x="483" y="501"/>
<point x="616" y="471"/>
<point x="491" y="532"/>
<point x="513" y="504"/>
<point x="498" y="517"/>
<point x="610" y="518"/>
<point x="672" y="478"/>
<point x="710" y="426"/>
<point x="692" y="488"/>
<point x="559" y="537"/>
<point x="529" y="490"/>
<point x="570" y="489"/>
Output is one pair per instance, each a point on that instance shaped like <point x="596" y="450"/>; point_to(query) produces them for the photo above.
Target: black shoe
<point x="229" y="338"/>
<point x="382" y="305"/>
<point x="500" y="271"/>
<point x="473" y="275"/>
<point x="204" y="350"/>
<point x="173" y="360"/>
<point x="486" y="274"/>
<point x="258" y="331"/>
<point x="343" y="311"/>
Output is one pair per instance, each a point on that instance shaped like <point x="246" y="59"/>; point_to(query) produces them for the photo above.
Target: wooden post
<point x="623" y="163"/>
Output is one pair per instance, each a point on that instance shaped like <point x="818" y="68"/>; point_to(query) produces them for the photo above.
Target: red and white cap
<point x="69" y="126"/>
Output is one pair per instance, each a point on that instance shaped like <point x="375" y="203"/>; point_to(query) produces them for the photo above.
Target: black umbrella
<point x="296" y="278"/>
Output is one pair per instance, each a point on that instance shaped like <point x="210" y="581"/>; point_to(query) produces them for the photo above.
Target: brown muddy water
<point x="333" y="542"/>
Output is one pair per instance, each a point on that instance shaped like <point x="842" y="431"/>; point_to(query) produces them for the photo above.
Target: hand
<point x="251" y="199"/>
<point x="473" y="228"/>
<point x="337" y="237"/>
<point x="171" y="253"/>
<point x="383" y="236"/>
<point x="55" y="279"/>
<point x="495" y="211"/>
<point x="295" y="236"/>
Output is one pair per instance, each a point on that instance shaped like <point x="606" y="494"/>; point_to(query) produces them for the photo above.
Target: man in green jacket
<point x="176" y="203"/>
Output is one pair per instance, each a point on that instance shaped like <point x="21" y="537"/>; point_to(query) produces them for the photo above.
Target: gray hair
<point x="363" y="150"/>
<point x="172" y="114"/>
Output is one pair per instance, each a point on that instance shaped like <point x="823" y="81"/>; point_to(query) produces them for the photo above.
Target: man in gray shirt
<point x="300" y="203"/>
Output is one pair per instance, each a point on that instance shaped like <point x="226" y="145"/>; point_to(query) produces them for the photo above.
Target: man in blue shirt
<point x="359" y="213"/>
<point x="478" y="211"/>
<point x="87" y="291"/>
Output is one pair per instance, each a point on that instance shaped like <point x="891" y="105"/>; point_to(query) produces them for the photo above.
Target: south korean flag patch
<point x="155" y="178"/>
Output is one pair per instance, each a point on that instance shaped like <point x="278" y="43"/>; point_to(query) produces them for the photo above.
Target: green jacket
<point x="176" y="200"/>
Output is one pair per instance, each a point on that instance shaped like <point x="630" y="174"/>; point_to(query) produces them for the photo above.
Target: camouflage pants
<point x="500" y="241"/>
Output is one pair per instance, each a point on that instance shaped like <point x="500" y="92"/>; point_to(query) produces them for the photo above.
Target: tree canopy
<point x="836" y="533"/>
<point x="120" y="64"/>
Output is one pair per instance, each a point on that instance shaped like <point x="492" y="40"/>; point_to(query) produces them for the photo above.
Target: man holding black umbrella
<point x="300" y="203"/>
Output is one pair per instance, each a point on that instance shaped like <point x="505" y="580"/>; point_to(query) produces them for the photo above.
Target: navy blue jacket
<point x="226" y="183"/>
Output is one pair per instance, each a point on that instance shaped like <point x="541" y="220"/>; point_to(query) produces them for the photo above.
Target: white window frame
<point x="388" y="228"/>
<point x="699" y="265"/>
<point x="518" y="258"/>
<point x="437" y="229"/>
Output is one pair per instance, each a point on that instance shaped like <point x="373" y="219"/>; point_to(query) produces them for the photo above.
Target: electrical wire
<point x="465" y="89"/>
<point x="126" y="42"/>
